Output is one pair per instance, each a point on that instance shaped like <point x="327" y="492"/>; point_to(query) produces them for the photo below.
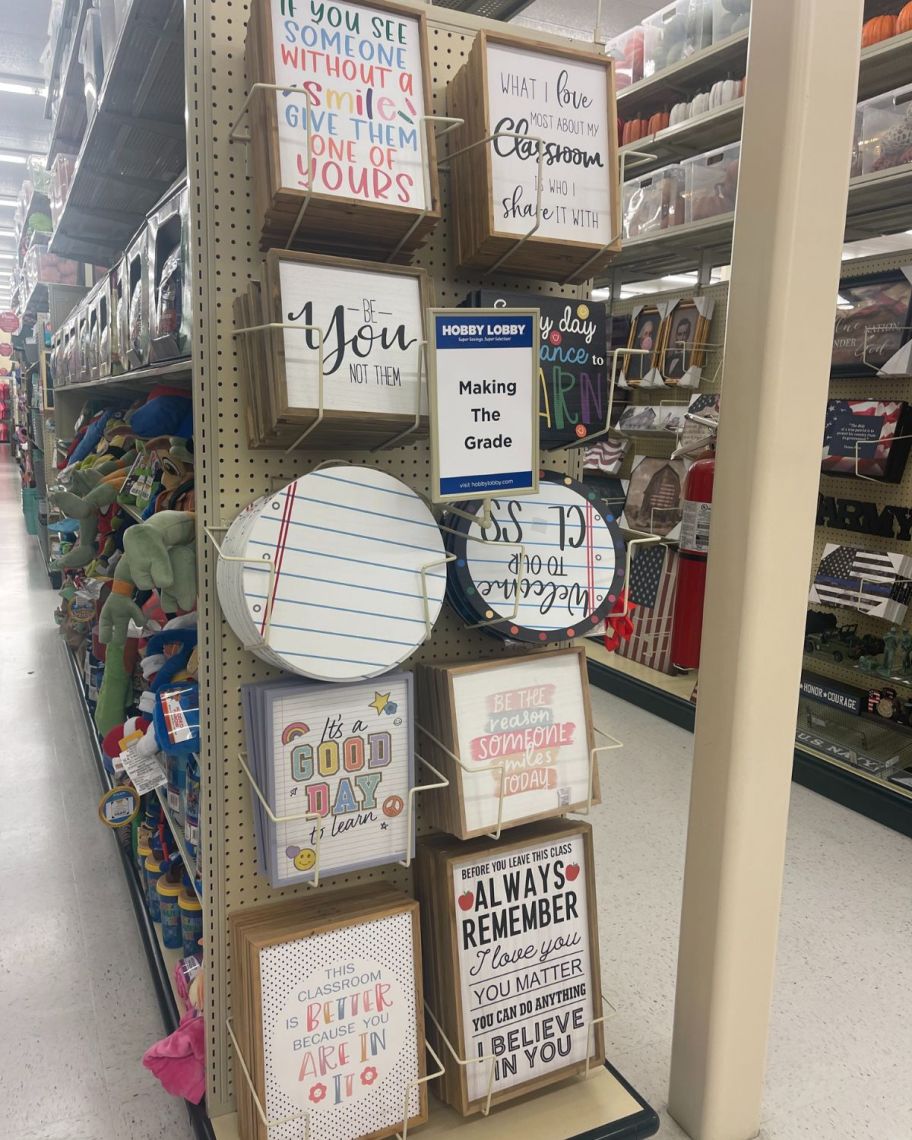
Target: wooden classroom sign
<point x="363" y="322"/>
<point x="530" y="715"/>
<point x="329" y="1014"/>
<point x="511" y="959"/>
<point x="483" y="396"/>
<point x="348" y="136"/>
<point x="524" y="92"/>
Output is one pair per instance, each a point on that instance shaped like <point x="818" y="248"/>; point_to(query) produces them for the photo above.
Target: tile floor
<point x="76" y="1002"/>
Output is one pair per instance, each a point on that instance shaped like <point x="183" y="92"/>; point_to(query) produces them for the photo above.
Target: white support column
<point x="795" y="156"/>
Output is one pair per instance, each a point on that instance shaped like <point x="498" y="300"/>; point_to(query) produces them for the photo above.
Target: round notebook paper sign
<point x="323" y="578"/>
<point x="572" y="564"/>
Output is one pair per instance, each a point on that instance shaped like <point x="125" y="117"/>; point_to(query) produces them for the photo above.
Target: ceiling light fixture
<point x="23" y="88"/>
<point x="19" y="159"/>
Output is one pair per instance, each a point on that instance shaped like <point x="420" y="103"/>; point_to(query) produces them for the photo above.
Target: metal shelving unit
<point x="67" y="81"/>
<point x="670" y="85"/>
<point x="135" y="146"/>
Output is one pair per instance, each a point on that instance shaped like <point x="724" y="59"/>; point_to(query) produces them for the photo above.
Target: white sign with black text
<point x="483" y="395"/>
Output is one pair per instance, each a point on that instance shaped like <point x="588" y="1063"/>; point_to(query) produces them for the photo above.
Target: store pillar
<point x="797" y="143"/>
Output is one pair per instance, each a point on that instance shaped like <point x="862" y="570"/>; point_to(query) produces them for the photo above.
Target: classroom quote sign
<point x="341" y="1022"/>
<point x="371" y="327"/>
<point x="563" y="101"/>
<point x="527" y="979"/>
<point x="362" y="68"/>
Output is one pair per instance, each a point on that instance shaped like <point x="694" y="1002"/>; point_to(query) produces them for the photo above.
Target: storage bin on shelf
<point x="729" y="18"/>
<point x="627" y="51"/>
<point x="654" y="202"/>
<point x="61" y="177"/>
<point x="675" y="33"/>
<point x="711" y="183"/>
<point x="885" y="137"/>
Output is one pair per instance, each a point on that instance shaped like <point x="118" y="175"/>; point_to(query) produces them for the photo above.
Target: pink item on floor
<point x="179" y="1059"/>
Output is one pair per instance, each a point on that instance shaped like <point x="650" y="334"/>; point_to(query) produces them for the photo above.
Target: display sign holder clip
<point x="305" y="815"/>
<point x="859" y="443"/>
<point x="424" y="122"/>
<point x="255" y="564"/>
<point x="616" y="354"/>
<point x="414" y="791"/>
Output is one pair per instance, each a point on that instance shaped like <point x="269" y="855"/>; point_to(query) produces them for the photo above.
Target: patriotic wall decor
<point x="343" y="753"/>
<point x="323" y="578"/>
<point x="653" y="581"/>
<point x="866" y="429"/>
<point x="865" y="518"/>
<point x="655" y="503"/>
<point x="607" y="456"/>
<point x="573" y="567"/>
<point x="522" y="728"/>
<point x="876" y="583"/>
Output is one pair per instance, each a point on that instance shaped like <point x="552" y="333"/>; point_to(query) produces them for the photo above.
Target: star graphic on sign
<point x="384" y="826"/>
<point x="379" y="702"/>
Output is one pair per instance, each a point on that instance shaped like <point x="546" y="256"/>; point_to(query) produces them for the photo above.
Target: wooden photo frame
<point x="283" y="956"/>
<point x="499" y="921"/>
<point x="873" y="330"/>
<point x="374" y="322"/>
<point x="369" y="206"/>
<point x="645" y="333"/>
<point x="564" y="95"/>
<point x="682" y="342"/>
<point x="532" y="711"/>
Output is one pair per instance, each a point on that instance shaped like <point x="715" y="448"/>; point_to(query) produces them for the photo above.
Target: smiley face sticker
<point x="304" y="858"/>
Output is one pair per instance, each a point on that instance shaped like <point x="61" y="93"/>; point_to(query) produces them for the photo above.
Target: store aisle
<point x="76" y="1001"/>
<point x="841" y="1031"/>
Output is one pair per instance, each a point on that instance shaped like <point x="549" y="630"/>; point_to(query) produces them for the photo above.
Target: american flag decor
<point x="868" y="427"/>
<point x="606" y="456"/>
<point x="653" y="581"/>
<point x="875" y="583"/>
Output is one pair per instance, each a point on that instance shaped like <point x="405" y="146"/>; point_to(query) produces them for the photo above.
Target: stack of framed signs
<point x="573" y="568"/>
<point x="343" y="753"/>
<point x="365" y="323"/>
<point x="333" y="577"/>
<point x="329" y="1015"/>
<point x="511" y="960"/>
<point x="341" y="157"/>
<point x="523" y="93"/>
<point x="524" y="722"/>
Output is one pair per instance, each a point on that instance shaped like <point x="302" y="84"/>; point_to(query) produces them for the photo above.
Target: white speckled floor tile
<point x="841" y="1033"/>
<point x="77" y="1007"/>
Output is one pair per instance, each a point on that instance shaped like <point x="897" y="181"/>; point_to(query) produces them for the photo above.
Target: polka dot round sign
<point x="559" y="549"/>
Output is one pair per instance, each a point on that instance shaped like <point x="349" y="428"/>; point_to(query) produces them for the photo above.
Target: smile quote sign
<point x="524" y="962"/>
<point x="562" y="101"/>
<point x="362" y="70"/>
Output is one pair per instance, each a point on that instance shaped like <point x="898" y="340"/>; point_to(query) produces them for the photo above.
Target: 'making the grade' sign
<point x="483" y="400"/>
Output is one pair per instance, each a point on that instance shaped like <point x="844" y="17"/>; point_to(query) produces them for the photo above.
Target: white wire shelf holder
<point x="293" y="817"/>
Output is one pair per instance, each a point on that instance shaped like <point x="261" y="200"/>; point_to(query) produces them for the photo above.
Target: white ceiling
<point x="577" y="18"/>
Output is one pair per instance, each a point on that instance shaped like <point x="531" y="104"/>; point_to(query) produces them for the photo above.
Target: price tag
<point x="145" y="772"/>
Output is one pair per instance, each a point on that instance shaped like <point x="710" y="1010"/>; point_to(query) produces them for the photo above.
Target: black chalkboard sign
<point x="574" y="363"/>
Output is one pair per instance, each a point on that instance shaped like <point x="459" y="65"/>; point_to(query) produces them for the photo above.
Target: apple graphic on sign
<point x="572" y="871"/>
<point x="466" y="901"/>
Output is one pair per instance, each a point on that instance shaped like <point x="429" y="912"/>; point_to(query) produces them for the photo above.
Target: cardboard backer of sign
<point x="254" y="929"/>
<point x="515" y="419"/>
<point x="439" y="705"/>
<point x="480" y="240"/>
<point x="334" y="222"/>
<point x="441" y="911"/>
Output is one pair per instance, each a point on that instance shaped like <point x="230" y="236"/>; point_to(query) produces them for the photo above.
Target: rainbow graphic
<point x="292" y="731"/>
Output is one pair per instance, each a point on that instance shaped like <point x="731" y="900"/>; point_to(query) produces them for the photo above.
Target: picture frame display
<point x="645" y="335"/>
<point x="683" y="342"/>
<point x="344" y="753"/>
<point x="360" y="155"/>
<point x="655" y="503"/>
<point x="486" y="907"/>
<point x="530" y="712"/>
<point x="306" y="966"/>
<point x="522" y="91"/>
<point x="873" y="329"/>
<point x="862" y="438"/>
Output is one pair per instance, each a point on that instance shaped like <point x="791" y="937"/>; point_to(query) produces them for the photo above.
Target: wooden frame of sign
<point x="256" y="929"/>
<point x="475" y="928"/>
<point x="531" y="711"/>
<point x="274" y="420"/>
<point x="480" y="240"/>
<point x="335" y="222"/>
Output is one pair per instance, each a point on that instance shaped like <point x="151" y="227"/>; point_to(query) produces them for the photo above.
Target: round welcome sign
<point x="558" y="549"/>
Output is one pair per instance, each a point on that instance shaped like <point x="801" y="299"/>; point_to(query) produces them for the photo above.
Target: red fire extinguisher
<point x="687" y="622"/>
